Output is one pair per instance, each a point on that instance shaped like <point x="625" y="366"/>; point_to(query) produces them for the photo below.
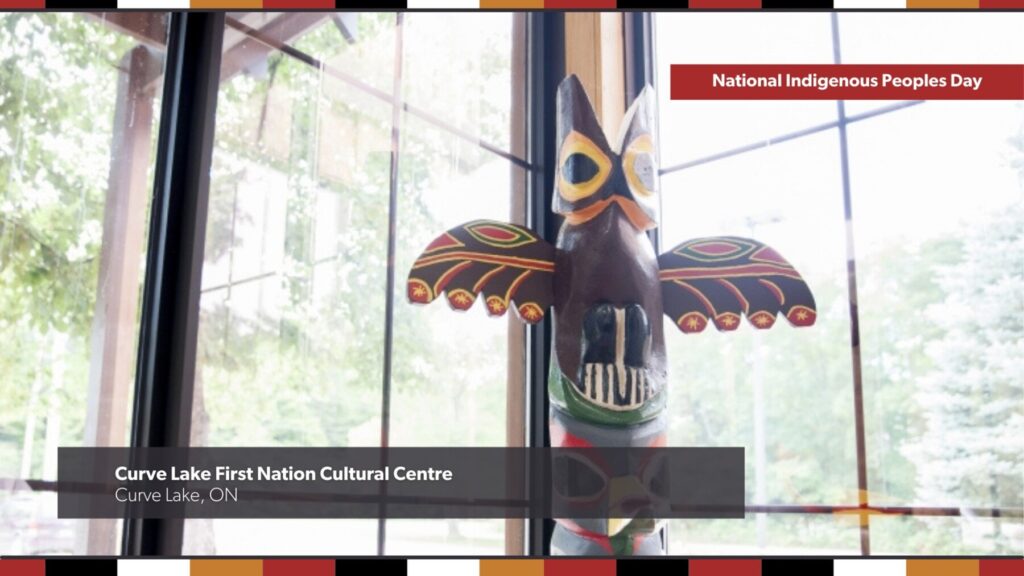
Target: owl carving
<point x="609" y="292"/>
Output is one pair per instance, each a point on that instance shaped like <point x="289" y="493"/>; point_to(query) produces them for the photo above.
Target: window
<point x="931" y="248"/>
<point x="294" y="347"/>
<point x="77" y="131"/>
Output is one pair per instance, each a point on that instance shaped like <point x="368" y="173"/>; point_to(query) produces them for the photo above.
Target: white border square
<point x="443" y="567"/>
<point x="155" y="567"/>
<point x="874" y="567"/>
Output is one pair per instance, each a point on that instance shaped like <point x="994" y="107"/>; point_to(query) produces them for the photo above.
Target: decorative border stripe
<point x="224" y="567"/>
<point x="443" y="4"/>
<point x="156" y="567"/>
<point x="154" y="4"/>
<point x="23" y="567"/>
<point x="514" y="4"/>
<point x="790" y="566"/>
<point x="951" y="4"/>
<point x="22" y="4"/>
<point x="226" y="4"/>
<point x="943" y="567"/>
<point x="870" y="4"/>
<point x="80" y="566"/>
<point x="678" y="566"/>
<point x="721" y="4"/>
<point x="580" y="4"/>
<point x="725" y="567"/>
<point x="874" y="567"/>
<point x="444" y="567"/>
<point x="511" y="567"/>
<point x="299" y="4"/>
<point x="470" y="5"/>
<point x="81" y="4"/>
<point x="360" y="566"/>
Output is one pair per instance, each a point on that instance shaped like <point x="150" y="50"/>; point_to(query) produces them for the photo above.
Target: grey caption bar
<point x="400" y="483"/>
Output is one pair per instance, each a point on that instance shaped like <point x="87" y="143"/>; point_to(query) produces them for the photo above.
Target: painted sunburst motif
<point x="496" y="306"/>
<point x="727" y="321"/>
<point x="692" y="323"/>
<point x="419" y="291"/>
<point x="461" y="299"/>
<point x="531" y="312"/>
<point x="762" y="320"/>
<point x="801" y="316"/>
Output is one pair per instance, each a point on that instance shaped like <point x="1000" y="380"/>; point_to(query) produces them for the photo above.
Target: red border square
<point x="22" y="567"/>
<point x="569" y="567"/>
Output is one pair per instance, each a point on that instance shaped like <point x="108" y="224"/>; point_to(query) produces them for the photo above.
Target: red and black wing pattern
<point x="718" y="279"/>
<point x="508" y="264"/>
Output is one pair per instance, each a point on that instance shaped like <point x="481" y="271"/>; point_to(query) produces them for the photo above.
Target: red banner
<point x="847" y="82"/>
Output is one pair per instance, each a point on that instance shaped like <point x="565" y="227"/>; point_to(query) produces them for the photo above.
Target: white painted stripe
<point x="588" y="381"/>
<point x="633" y="398"/>
<point x="608" y="393"/>
<point x="156" y="567"/>
<point x="874" y="567"/>
<point x="153" y="4"/>
<point x="461" y="4"/>
<point x="443" y="567"/>
<point x="870" y="4"/>
<point x="620" y="349"/>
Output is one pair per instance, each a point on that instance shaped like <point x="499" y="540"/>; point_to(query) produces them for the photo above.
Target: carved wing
<point x="719" y="278"/>
<point x="509" y="264"/>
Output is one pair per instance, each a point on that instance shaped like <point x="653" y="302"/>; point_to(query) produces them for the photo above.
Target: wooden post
<point x="114" y="325"/>
<point x="595" y="52"/>
<point x="515" y="390"/>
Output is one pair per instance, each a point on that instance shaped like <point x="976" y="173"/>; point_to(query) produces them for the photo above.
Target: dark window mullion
<point x="389" y="302"/>
<point x="855" y="357"/>
<point x="174" y="259"/>
<point x="545" y="68"/>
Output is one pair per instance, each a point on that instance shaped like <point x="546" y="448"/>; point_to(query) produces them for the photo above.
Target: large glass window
<point x="930" y="255"/>
<point x="325" y="124"/>
<point x="77" y="135"/>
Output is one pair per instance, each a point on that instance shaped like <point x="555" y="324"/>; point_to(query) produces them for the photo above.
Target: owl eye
<point x="584" y="167"/>
<point x="578" y="169"/>
<point x="640" y="166"/>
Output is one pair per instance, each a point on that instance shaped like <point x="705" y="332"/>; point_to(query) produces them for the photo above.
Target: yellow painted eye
<point x="583" y="167"/>
<point x="640" y="166"/>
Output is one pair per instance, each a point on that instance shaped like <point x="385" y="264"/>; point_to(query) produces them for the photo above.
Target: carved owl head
<point x="592" y="176"/>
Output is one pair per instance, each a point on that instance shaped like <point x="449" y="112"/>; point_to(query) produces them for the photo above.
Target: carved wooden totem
<point x="608" y="291"/>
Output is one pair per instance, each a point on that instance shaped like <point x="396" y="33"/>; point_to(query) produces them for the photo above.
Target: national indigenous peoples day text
<point x="825" y="82"/>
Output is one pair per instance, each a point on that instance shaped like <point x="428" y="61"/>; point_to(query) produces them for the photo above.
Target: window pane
<point x="698" y="128"/>
<point x="941" y="280"/>
<point x="945" y="536"/>
<point x="767" y="535"/>
<point x="786" y="395"/>
<point x="78" y="96"/>
<point x="458" y="68"/>
<point x="294" y="280"/>
<point x="450" y="369"/>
